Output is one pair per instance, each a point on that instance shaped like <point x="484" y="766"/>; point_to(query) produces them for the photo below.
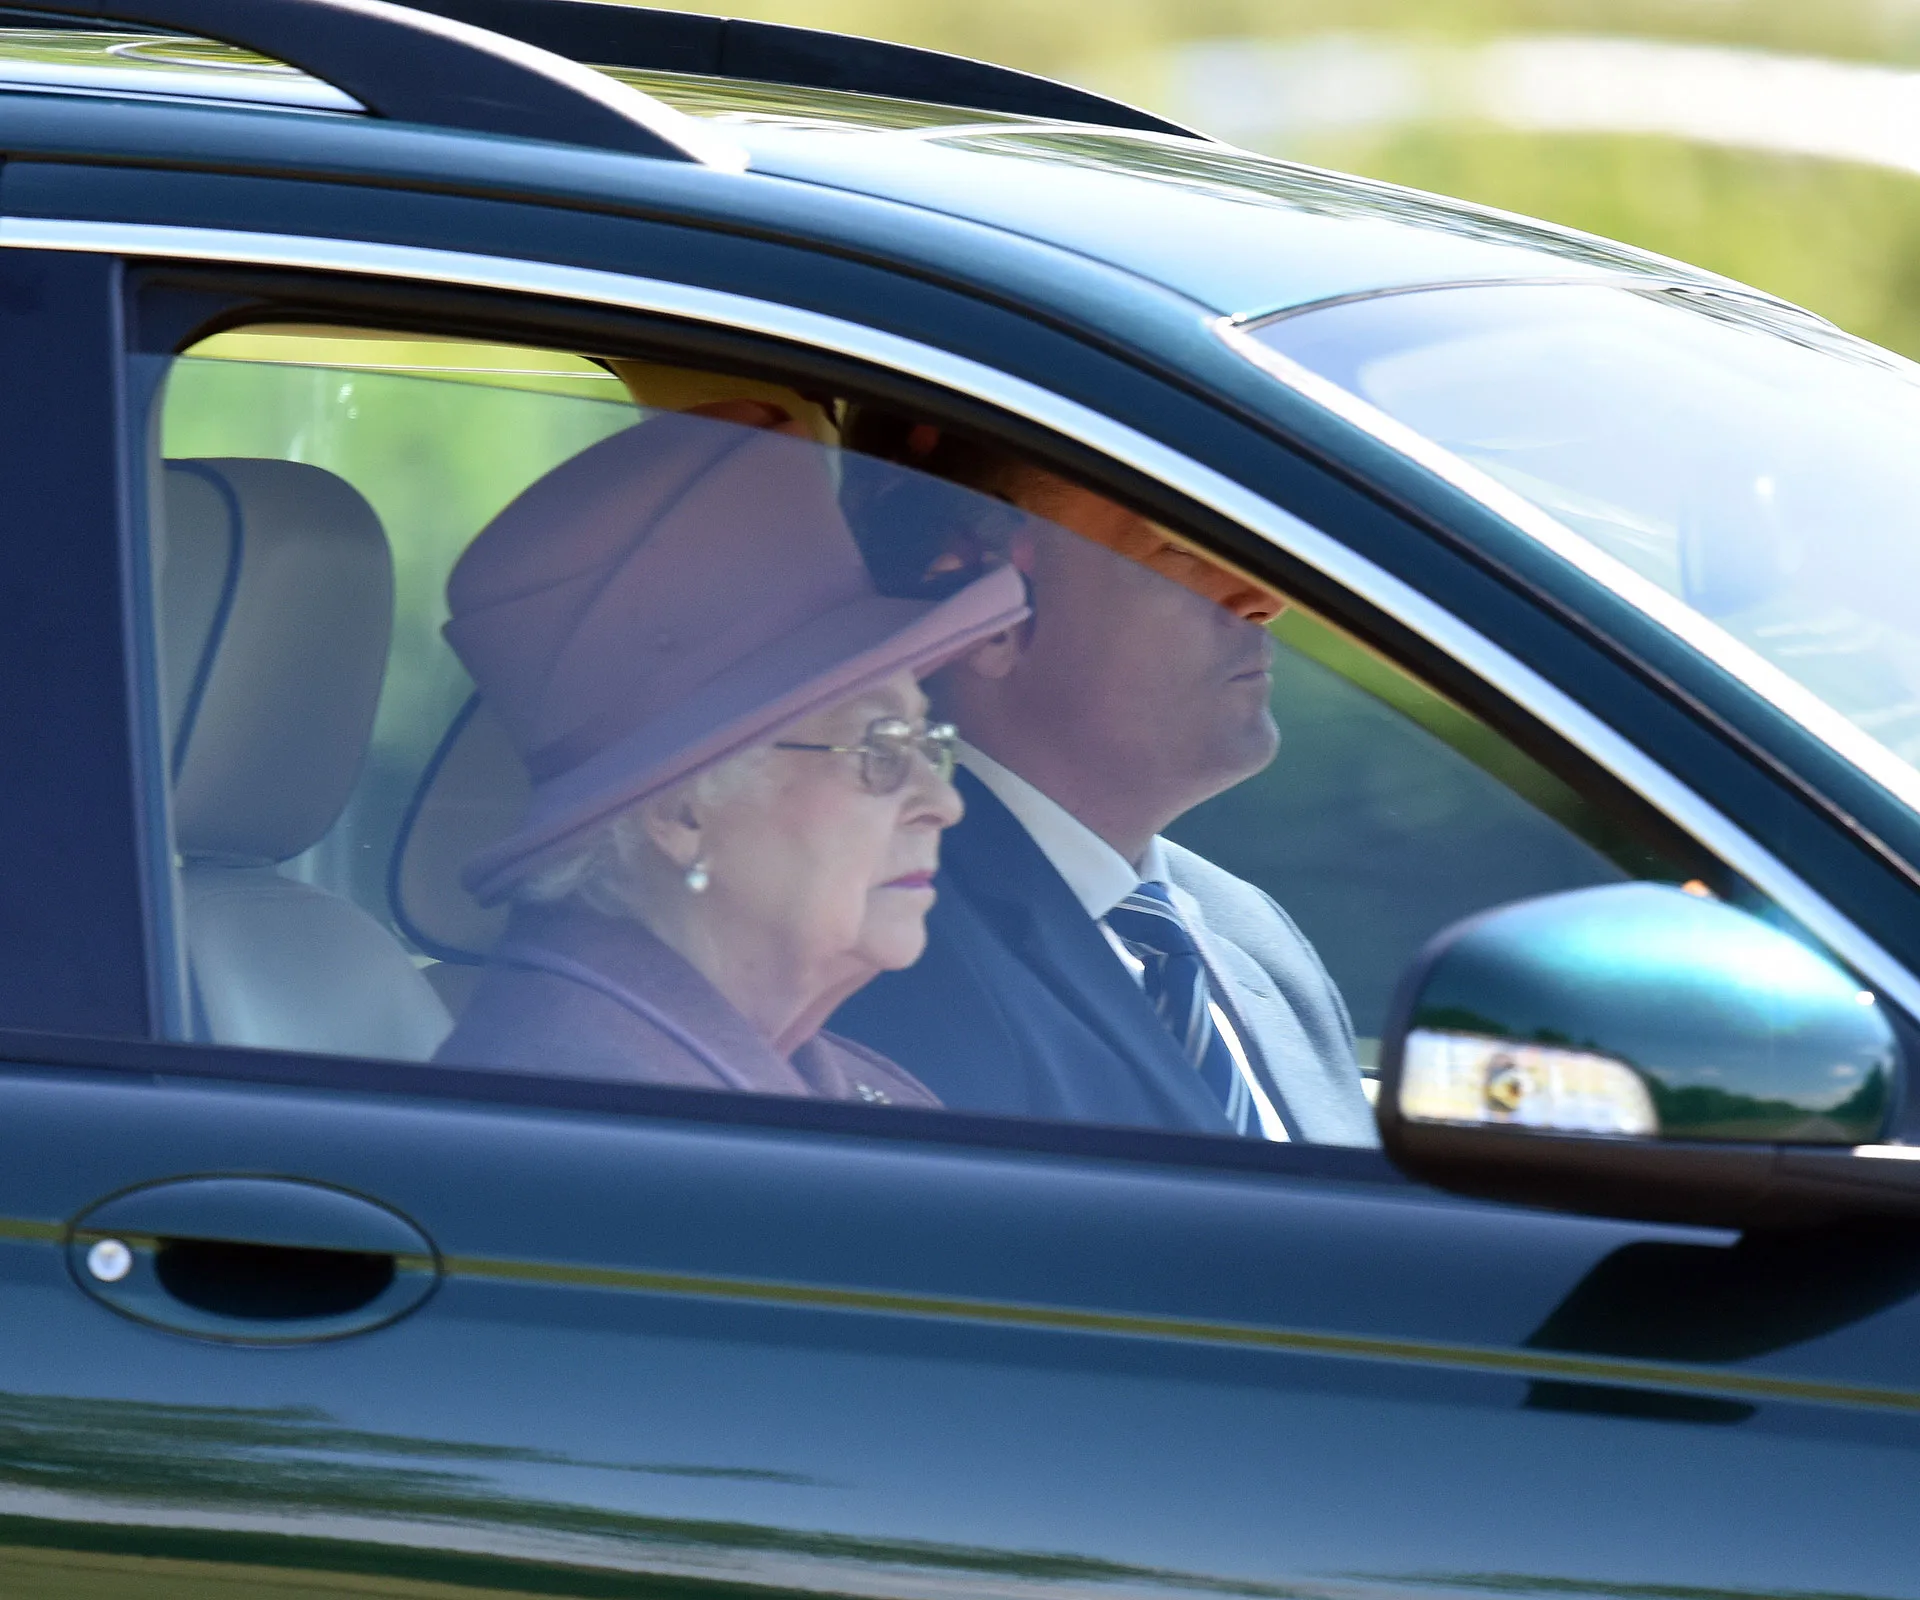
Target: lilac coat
<point x="572" y="994"/>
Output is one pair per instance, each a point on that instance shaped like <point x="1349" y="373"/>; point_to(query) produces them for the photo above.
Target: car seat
<point x="276" y="602"/>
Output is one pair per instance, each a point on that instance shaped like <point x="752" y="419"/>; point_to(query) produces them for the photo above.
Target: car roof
<point x="1240" y="233"/>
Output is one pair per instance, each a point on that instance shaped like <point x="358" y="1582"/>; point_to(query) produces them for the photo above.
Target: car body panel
<point x="803" y="1361"/>
<point x="1243" y="234"/>
<point x="74" y="917"/>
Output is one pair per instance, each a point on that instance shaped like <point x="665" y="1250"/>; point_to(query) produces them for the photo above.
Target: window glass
<point x="609" y="719"/>
<point x="1747" y="459"/>
<point x="1390" y="813"/>
<point x="437" y="435"/>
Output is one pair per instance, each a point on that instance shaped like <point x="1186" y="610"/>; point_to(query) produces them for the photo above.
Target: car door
<point x="636" y="1340"/>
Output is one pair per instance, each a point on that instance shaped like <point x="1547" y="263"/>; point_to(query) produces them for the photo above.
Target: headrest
<point x="276" y="604"/>
<point x="473" y="794"/>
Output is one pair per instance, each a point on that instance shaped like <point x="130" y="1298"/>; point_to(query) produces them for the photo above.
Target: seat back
<point x="276" y="599"/>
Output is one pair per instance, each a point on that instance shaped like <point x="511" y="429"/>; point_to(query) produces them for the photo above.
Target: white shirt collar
<point x="1099" y="876"/>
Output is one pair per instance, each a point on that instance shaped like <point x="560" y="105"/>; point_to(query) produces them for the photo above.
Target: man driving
<point x="1079" y="965"/>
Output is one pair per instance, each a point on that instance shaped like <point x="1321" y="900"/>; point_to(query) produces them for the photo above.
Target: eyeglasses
<point x="886" y="752"/>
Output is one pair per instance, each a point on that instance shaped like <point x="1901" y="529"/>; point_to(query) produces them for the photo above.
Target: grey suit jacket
<point x="1280" y="996"/>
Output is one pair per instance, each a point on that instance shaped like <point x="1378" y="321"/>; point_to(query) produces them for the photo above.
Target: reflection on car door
<point x="823" y="1359"/>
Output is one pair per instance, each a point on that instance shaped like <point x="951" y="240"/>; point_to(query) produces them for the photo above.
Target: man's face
<point x="1152" y="665"/>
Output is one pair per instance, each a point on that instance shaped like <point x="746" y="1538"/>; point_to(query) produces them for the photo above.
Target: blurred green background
<point x="1841" y="236"/>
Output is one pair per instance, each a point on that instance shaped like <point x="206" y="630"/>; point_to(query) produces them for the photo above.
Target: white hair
<point x="611" y="865"/>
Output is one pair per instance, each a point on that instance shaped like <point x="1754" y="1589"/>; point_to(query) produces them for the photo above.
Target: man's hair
<point x="922" y="540"/>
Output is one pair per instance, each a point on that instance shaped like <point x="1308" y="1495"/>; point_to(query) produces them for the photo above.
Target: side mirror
<point x="1635" y="1051"/>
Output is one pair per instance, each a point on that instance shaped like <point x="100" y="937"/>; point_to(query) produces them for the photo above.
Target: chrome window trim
<point x="1070" y="420"/>
<point x="1644" y="283"/>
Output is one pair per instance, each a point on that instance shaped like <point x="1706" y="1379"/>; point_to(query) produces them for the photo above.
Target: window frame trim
<point x="1344" y="567"/>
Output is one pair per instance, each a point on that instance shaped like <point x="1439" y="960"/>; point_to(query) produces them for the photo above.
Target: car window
<point x="1744" y="459"/>
<point x="611" y="719"/>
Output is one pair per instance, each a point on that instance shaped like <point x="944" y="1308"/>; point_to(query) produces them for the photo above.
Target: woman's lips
<point x="912" y="880"/>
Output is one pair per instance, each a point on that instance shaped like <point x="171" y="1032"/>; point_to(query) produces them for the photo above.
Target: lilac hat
<point x="668" y="597"/>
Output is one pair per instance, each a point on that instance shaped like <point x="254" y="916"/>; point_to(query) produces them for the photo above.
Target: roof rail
<point x="615" y="35"/>
<point x="413" y="67"/>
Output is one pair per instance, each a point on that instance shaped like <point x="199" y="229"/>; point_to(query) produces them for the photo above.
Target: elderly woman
<point x="737" y="799"/>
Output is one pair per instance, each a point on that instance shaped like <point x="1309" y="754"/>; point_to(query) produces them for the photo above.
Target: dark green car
<point x="1497" y="1184"/>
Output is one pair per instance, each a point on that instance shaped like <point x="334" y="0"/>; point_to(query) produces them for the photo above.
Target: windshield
<point x="1750" y="461"/>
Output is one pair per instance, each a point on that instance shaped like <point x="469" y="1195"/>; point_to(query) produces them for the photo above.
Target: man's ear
<point x="672" y="823"/>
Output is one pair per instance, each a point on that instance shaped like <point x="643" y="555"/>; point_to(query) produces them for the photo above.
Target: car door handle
<point x="253" y="1260"/>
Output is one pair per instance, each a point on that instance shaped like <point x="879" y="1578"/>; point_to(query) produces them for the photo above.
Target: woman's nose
<point x="934" y="798"/>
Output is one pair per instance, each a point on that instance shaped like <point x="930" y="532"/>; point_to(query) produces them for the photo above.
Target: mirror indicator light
<point x="1476" y="1080"/>
<point x="109" y="1260"/>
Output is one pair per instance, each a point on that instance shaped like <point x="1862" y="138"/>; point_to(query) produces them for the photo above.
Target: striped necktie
<point x="1175" y="979"/>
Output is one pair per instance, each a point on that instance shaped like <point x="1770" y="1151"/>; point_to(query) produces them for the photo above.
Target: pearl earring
<point x="698" y="877"/>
